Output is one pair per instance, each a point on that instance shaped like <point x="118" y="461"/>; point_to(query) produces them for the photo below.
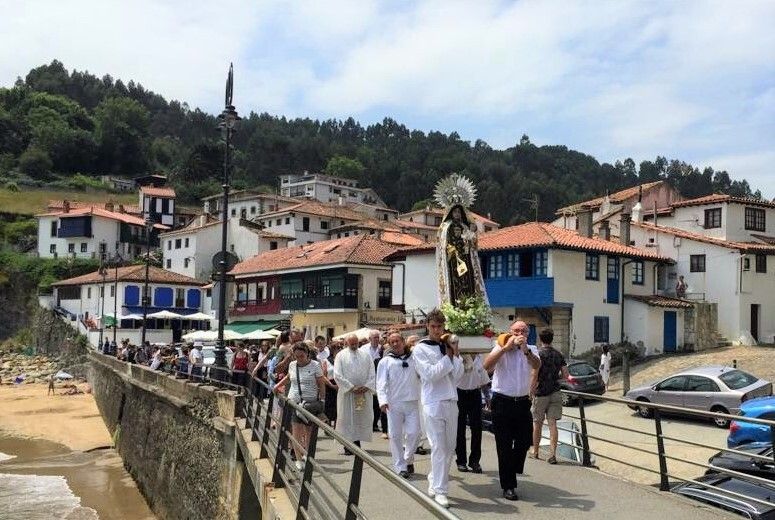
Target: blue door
<point x="669" y="339"/>
<point x="613" y="280"/>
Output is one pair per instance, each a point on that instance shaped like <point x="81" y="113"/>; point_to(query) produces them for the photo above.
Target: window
<point x="542" y="259"/>
<point x="233" y="212"/>
<point x="495" y="267"/>
<point x="102" y="291"/>
<point x="52" y="249"/>
<point x="712" y="218"/>
<point x="177" y="243"/>
<point x="272" y="245"/>
<point x="512" y="265"/>
<point x="287" y="220"/>
<point x="84" y="247"/>
<point x="592" y="268"/>
<point x="737" y="379"/>
<point x="601" y="329"/>
<point x="71" y="248"/>
<point x="697" y="263"/>
<point x="673" y="384"/>
<point x="278" y="222"/>
<point x="54" y="228"/>
<point x="746" y="264"/>
<point x="701" y="384"/>
<point x="437" y="221"/>
<point x="180" y="297"/>
<point x="384" y="294"/>
<point x="305" y="224"/>
<point x="243" y="213"/>
<point x="186" y="262"/>
<point x="169" y="245"/>
<point x="323" y="224"/>
<point x="168" y="263"/>
<point x="103" y="247"/>
<point x="252" y="210"/>
<point x="112" y="291"/>
<point x="754" y="219"/>
<point x="761" y="263"/>
<point x="88" y="292"/>
<point x="185" y="243"/>
<point x="637" y="272"/>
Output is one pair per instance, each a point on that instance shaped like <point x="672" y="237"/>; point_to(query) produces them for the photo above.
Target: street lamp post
<point x="116" y="262"/>
<point x="227" y="125"/>
<point x="103" y="273"/>
<point x="148" y="229"/>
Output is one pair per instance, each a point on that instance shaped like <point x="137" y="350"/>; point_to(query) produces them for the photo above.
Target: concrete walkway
<point x="550" y="492"/>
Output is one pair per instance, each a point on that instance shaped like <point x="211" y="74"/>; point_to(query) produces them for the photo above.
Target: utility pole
<point x="533" y="201"/>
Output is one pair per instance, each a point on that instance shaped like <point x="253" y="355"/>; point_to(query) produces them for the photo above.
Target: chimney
<point x="66" y="206"/>
<point x="121" y="208"/>
<point x="109" y="205"/>
<point x="202" y="220"/>
<point x="624" y="229"/>
<point x="637" y="212"/>
<point x="605" y="230"/>
<point x="340" y="200"/>
<point x="584" y="217"/>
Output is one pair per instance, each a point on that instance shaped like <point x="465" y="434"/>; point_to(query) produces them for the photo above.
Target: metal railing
<point x="657" y="412"/>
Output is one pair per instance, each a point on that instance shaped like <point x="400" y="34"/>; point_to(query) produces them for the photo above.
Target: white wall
<point x="369" y="283"/>
<point x="417" y="281"/>
<point x="645" y="323"/>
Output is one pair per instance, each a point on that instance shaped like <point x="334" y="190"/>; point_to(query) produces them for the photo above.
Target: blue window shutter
<point x="162" y="297"/>
<point x="194" y="298"/>
<point x="131" y="295"/>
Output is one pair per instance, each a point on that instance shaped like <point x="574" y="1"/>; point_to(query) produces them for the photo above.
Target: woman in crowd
<point x="605" y="366"/>
<point x="239" y="366"/>
<point x="331" y="386"/>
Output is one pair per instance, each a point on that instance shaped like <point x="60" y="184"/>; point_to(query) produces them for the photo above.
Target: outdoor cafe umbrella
<point x="257" y="334"/>
<point x="362" y="334"/>
<point x="198" y="316"/>
<point x="212" y="335"/>
<point x="165" y="315"/>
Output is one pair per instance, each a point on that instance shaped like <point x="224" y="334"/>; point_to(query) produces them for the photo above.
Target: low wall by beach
<point x="177" y="440"/>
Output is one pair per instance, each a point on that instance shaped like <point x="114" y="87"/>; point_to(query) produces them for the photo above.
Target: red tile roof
<point x="438" y="211"/>
<point x="314" y="207"/>
<point x="717" y="198"/>
<point x="99" y="212"/>
<point x="541" y="234"/>
<point x="195" y="225"/>
<point x="59" y="205"/>
<point x="133" y="273"/>
<point x="617" y="198"/>
<point x="402" y="239"/>
<point x="360" y="249"/>
<point x="153" y="191"/>
<point x="656" y="300"/>
<point x="413" y="225"/>
<point x="745" y="247"/>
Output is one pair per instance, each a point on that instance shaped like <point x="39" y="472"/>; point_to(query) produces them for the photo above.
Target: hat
<point x="198" y="344"/>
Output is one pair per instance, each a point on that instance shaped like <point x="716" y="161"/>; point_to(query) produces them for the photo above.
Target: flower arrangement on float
<point x="471" y="321"/>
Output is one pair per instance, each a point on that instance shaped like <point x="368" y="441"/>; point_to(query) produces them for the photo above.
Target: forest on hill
<point x="61" y="129"/>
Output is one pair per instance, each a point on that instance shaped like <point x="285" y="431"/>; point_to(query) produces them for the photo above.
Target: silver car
<point x="712" y="388"/>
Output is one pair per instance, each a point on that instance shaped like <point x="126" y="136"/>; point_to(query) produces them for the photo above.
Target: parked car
<point x="711" y="388"/>
<point x="746" y="463"/>
<point x="734" y="503"/>
<point x="742" y="432"/>
<point x="568" y="441"/>
<point x="582" y="377"/>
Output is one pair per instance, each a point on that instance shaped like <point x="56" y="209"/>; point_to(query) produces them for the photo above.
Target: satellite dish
<point x="230" y="258"/>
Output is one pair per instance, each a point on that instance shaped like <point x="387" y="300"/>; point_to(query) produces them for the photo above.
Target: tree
<point x="35" y="163"/>
<point x="121" y="133"/>
<point x="340" y="166"/>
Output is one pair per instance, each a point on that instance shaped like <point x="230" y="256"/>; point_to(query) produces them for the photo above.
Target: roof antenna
<point x="533" y="205"/>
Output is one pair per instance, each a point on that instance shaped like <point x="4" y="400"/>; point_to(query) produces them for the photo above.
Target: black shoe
<point x="510" y="494"/>
<point x="347" y="452"/>
<point x="462" y="468"/>
<point x="404" y="474"/>
<point x="421" y="451"/>
<point x="410" y="469"/>
<point x="475" y="468"/>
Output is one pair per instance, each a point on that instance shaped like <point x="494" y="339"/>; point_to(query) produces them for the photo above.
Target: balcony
<point x="520" y="292"/>
<point x="255" y="307"/>
<point x="320" y="302"/>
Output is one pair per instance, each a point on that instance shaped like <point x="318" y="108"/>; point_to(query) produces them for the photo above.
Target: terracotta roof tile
<point x="153" y="191"/>
<point x="360" y="249"/>
<point x="440" y="212"/>
<point x="402" y="239"/>
<point x="99" y="212"/>
<point x="721" y="198"/>
<point x="134" y="273"/>
<point x="58" y="205"/>
<point x="618" y="197"/>
<point x="322" y="209"/>
<point x="656" y="300"/>
<point x="745" y="247"/>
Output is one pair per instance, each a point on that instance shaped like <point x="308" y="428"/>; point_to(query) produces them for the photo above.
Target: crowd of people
<point x="408" y="390"/>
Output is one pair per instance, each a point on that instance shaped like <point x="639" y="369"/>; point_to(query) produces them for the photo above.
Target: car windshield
<point x="581" y="369"/>
<point x="736" y="379"/>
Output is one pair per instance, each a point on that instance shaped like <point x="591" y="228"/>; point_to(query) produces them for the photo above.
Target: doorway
<point x="755" y="321"/>
<point x="670" y="332"/>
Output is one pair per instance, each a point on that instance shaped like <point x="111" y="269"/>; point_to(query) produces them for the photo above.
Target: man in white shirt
<point x="469" y="406"/>
<point x="354" y="373"/>
<point x="398" y="391"/>
<point x="321" y="350"/>
<point x="375" y="351"/>
<point x="512" y="361"/>
<point x="440" y="367"/>
<point x="196" y="361"/>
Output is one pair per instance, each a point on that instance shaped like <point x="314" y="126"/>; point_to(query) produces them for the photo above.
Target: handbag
<point x="314" y="407"/>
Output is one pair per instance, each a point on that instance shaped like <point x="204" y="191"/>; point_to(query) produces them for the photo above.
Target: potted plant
<point x="471" y="321"/>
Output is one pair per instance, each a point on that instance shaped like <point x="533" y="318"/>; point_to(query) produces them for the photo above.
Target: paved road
<point x="551" y="492"/>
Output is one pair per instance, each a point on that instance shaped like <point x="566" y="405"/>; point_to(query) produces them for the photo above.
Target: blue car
<point x="743" y="432"/>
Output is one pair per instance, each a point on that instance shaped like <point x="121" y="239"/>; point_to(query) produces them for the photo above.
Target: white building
<point x="85" y="299"/>
<point x="246" y="204"/>
<point x="308" y="221"/>
<point x="91" y="231"/>
<point x="432" y="217"/>
<point x="158" y="204"/>
<point x="326" y="188"/>
<point x="189" y="251"/>
<point x="552" y="277"/>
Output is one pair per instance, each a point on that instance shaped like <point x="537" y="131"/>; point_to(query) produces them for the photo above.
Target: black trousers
<point x="379" y="417"/>
<point x="513" y="427"/>
<point x="469" y="406"/>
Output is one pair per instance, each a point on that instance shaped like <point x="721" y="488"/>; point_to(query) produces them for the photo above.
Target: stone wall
<point x="701" y="327"/>
<point x="177" y="440"/>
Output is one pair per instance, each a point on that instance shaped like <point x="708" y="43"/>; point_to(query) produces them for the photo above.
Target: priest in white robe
<point x="355" y="375"/>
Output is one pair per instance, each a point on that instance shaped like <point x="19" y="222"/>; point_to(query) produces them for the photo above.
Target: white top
<point x="156" y="361"/>
<point x="308" y="375"/>
<point x="512" y="372"/>
<point x="195" y="355"/>
<point x="395" y="382"/>
<point x="438" y="373"/>
<point x="474" y="375"/>
<point x="322" y="356"/>
<point x="605" y="362"/>
<point x="371" y="351"/>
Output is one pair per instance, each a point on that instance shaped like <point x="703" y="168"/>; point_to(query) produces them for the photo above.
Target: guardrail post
<point x="355" y="488"/>
<point x="247" y="407"/>
<point x="734" y="363"/>
<point x="772" y="439"/>
<point x="282" y="445"/>
<point x="267" y="426"/>
<point x="586" y="460"/>
<point x="664" y="484"/>
<point x="308" y="469"/>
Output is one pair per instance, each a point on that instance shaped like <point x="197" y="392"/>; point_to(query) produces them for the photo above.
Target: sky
<point x="689" y="80"/>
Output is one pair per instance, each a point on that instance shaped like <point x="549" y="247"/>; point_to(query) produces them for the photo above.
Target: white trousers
<point x="404" y="421"/>
<point x="441" y="427"/>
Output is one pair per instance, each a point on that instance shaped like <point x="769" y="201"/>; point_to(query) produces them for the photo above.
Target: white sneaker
<point x="442" y="500"/>
<point x="431" y="493"/>
<point x="299" y="465"/>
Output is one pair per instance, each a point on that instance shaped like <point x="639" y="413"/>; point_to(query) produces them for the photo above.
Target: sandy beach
<point x="71" y="420"/>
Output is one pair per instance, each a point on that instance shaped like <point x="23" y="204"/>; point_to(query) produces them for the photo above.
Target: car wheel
<point x="720" y="421"/>
<point x="566" y="399"/>
<point x="645" y="411"/>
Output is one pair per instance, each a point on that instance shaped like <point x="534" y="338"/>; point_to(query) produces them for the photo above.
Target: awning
<point x="198" y="316"/>
<point x="211" y="335"/>
<point x="165" y="315"/>
<point x="245" y="327"/>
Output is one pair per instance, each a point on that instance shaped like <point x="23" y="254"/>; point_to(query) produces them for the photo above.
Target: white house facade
<point x="326" y="188"/>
